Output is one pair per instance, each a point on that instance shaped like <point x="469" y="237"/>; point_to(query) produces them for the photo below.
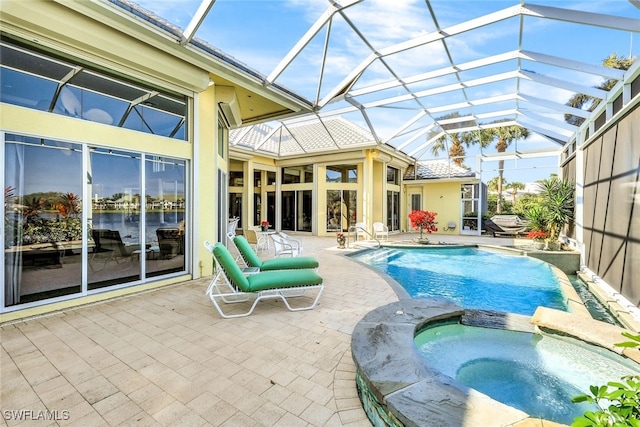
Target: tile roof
<point x="437" y="169"/>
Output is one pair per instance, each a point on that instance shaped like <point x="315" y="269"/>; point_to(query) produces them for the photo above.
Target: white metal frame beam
<point x="196" y="21"/>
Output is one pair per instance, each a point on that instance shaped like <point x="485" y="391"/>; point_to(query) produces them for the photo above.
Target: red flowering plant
<point x="264" y="223"/>
<point x="538" y="235"/>
<point x="423" y="221"/>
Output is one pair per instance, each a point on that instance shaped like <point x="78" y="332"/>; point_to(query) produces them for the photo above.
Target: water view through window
<point x="131" y="228"/>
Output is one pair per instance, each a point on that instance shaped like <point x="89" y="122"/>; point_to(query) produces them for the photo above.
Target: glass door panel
<point x="165" y="190"/>
<point x="43" y="219"/>
<point x="115" y="218"/>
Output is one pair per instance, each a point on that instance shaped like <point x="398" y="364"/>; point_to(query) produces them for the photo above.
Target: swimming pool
<point x="538" y="374"/>
<point x="471" y="277"/>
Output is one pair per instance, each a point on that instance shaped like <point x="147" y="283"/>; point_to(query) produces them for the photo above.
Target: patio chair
<point x="256" y="239"/>
<point x="231" y="286"/>
<point x="380" y="231"/>
<point x="170" y="242"/>
<point x="251" y="259"/>
<point x="297" y="244"/>
<point x="232" y="226"/>
<point x="282" y="247"/>
<point x="361" y="230"/>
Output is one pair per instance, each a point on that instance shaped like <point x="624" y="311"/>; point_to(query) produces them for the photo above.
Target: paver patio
<point x="165" y="357"/>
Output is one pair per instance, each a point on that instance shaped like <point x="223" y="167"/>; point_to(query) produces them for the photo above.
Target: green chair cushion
<point x="246" y="251"/>
<point x="232" y="270"/>
<point x="283" y="279"/>
<point x="303" y="262"/>
<point x="253" y="260"/>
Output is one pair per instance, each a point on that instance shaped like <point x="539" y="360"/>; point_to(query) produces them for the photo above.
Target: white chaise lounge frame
<point x="221" y="290"/>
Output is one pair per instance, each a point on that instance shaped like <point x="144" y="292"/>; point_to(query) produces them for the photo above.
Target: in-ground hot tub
<point x="399" y="387"/>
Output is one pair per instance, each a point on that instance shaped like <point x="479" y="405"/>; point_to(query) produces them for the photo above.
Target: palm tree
<point x="492" y="184"/>
<point x="505" y="136"/>
<point x="456" y="150"/>
<point x="514" y="187"/>
<point x="580" y="100"/>
<point x="455" y="139"/>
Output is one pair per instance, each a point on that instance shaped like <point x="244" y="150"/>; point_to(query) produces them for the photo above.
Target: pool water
<point x="537" y="374"/>
<point x="471" y="277"/>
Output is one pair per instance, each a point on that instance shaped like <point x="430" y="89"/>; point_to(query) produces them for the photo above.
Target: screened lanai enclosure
<point x="349" y="93"/>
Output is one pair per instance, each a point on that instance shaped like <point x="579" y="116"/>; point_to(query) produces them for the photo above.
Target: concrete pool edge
<point x="396" y="386"/>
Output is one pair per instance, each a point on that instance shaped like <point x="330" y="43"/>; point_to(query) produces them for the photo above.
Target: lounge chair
<point x="505" y="224"/>
<point x="251" y="259"/>
<point x="231" y="286"/>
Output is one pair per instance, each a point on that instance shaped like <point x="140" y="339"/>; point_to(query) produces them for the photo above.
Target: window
<point x="223" y="135"/>
<point x="393" y="210"/>
<point x="470" y="199"/>
<point x="135" y="218"/>
<point x="342" y="173"/>
<point x="297" y="175"/>
<point x="341" y="209"/>
<point x="393" y="176"/>
<point x="291" y="176"/>
<point x="235" y="207"/>
<point x="416" y="202"/>
<point x="296" y="210"/>
<point x="236" y="178"/>
<point x="271" y="179"/>
<point x="36" y="80"/>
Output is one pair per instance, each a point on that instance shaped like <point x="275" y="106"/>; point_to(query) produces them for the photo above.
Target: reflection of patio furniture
<point x="109" y="247"/>
<point x="170" y="242"/>
<point x="505" y="224"/>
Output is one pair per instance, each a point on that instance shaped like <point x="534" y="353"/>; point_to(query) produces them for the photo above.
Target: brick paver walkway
<point x="165" y="357"/>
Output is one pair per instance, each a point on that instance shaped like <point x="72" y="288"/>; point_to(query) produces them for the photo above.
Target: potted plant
<point x="558" y="203"/>
<point x="265" y="225"/>
<point x="538" y="237"/>
<point x="341" y="239"/>
<point x="424" y="221"/>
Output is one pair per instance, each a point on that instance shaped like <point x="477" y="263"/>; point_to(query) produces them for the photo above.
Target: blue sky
<point x="260" y="33"/>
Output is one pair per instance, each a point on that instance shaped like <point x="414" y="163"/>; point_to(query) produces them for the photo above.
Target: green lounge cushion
<point x="301" y="262"/>
<point x="246" y="251"/>
<point x="263" y="280"/>
<point x="228" y="264"/>
<point x="253" y="260"/>
<point x="283" y="279"/>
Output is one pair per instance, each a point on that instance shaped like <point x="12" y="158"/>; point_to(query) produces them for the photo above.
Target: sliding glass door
<point x="134" y="205"/>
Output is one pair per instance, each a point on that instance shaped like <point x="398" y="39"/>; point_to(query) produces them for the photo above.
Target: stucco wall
<point x="444" y="198"/>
